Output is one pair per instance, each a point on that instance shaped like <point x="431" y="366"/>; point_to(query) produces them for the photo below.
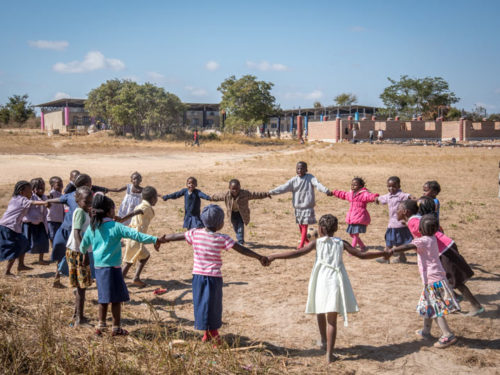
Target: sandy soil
<point x="267" y="304"/>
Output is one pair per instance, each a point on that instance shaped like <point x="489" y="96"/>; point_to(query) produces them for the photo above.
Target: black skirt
<point x="456" y="268"/>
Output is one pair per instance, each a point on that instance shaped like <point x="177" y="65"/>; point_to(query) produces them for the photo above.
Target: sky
<point x="310" y="50"/>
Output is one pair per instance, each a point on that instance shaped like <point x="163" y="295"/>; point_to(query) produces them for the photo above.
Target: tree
<point x="247" y="102"/>
<point x="317" y="105"/>
<point x="4" y="115"/>
<point x="19" y="108"/>
<point x="102" y="99"/>
<point x="345" y="99"/>
<point x="410" y="96"/>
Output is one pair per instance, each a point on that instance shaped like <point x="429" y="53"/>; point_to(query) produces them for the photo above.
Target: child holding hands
<point x="208" y="245"/>
<point x="302" y="188"/>
<point x="330" y="291"/>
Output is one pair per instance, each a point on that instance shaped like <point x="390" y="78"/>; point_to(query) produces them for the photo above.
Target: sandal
<point x="444" y="342"/>
<point x="159" y="291"/>
<point x="476" y="312"/>
<point x="420" y="333"/>
<point x="119" y="332"/>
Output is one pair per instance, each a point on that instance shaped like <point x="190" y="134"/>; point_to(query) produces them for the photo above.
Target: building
<point x="69" y="115"/>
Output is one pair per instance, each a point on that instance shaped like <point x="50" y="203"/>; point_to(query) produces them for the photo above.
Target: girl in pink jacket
<point x="357" y="217"/>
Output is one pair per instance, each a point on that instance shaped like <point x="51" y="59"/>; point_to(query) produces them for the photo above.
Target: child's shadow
<point x="254" y="245"/>
<point x="476" y="267"/>
<point x="45" y="275"/>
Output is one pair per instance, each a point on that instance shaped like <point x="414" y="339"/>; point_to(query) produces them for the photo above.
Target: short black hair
<point x="410" y="205"/>
<point x="20" y="186"/>
<point x="194" y="180"/>
<point x="82" y="179"/>
<point x="434" y="186"/>
<point x="148" y="193"/>
<point x="329" y="223"/>
<point x="426" y="205"/>
<point x="303" y="163"/>
<point x="429" y="225"/>
<point x="37" y="183"/>
<point x="137" y="174"/>
<point x="395" y="179"/>
<point x="360" y="181"/>
<point x="82" y="193"/>
<point x="234" y="181"/>
<point x="55" y="179"/>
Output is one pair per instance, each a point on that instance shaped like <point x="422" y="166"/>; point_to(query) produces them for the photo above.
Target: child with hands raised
<point x="330" y="291"/>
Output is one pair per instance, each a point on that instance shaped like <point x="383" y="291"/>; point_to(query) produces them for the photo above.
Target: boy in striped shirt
<point x="207" y="276"/>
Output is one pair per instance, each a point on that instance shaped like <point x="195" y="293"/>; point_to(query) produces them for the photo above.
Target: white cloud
<point x="131" y="78"/>
<point x="212" y="65"/>
<point x="357" y="29"/>
<point x="155" y="76"/>
<point x="313" y="95"/>
<point x="57" y="45"/>
<point x="196" y="91"/>
<point x="266" y="66"/>
<point x="94" y="60"/>
<point x="61" y="95"/>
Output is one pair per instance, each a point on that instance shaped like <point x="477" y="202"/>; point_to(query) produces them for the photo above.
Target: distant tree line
<point x="17" y="110"/>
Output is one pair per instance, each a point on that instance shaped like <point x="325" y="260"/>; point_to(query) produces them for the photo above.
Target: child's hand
<point x="269" y="196"/>
<point x="264" y="261"/>
<point x="139" y="212"/>
<point x="86" y="260"/>
<point x="329" y="193"/>
<point x="118" y="219"/>
<point x="159" y="241"/>
<point x="388" y="253"/>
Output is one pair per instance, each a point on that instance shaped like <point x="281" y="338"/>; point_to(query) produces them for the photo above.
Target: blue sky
<point x="310" y="50"/>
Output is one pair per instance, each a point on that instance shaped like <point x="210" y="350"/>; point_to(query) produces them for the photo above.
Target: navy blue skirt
<point x="191" y="222"/>
<point x="207" y="302"/>
<point x="111" y="287"/>
<point x="59" y="244"/>
<point x="53" y="227"/>
<point x="356" y="228"/>
<point x="12" y="244"/>
<point x="37" y="237"/>
<point x="397" y="236"/>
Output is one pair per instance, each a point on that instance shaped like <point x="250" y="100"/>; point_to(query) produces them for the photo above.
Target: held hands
<point x="86" y="260"/>
<point x="264" y="261"/>
<point x="388" y="253"/>
<point x="159" y="241"/>
<point x="329" y="193"/>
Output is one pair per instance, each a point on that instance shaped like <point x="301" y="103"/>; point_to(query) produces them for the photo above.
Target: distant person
<point x="132" y="197"/>
<point x="380" y="135"/>
<point x="354" y="134"/>
<point x="196" y="139"/>
<point x="268" y="134"/>
<point x="330" y="292"/>
<point x="70" y="187"/>
<point x="370" y="135"/>
<point x="278" y="132"/>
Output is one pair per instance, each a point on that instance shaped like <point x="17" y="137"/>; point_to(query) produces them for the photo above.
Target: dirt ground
<point x="267" y="304"/>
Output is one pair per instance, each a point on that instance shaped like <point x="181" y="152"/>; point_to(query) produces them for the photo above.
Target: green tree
<point x="247" y="102"/>
<point x="4" y="115"/>
<point x="453" y="114"/>
<point x="102" y="99"/>
<point x="417" y="95"/>
<point x="317" y="105"/>
<point x="20" y="109"/>
<point x="345" y="99"/>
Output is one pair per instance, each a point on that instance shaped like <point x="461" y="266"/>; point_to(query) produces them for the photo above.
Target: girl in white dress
<point x="133" y="197"/>
<point x="330" y="290"/>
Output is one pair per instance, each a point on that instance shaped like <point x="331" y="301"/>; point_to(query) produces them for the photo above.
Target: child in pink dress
<point x="357" y="217"/>
<point x="437" y="298"/>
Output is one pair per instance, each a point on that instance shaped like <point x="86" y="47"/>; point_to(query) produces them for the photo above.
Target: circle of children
<point x="87" y="235"/>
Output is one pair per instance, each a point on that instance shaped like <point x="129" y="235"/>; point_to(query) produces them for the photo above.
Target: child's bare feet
<point x="57" y="284"/>
<point x="10" y="274"/>
<point x="43" y="262"/>
<point x="139" y="283"/>
<point x="24" y="267"/>
<point x="331" y="358"/>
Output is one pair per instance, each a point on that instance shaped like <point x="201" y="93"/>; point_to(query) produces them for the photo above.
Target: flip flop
<point x="119" y="332"/>
<point x="444" y="342"/>
<point x="159" y="291"/>
<point x="477" y="312"/>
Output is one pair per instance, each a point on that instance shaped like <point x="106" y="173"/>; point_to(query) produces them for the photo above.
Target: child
<point x="456" y="267"/>
<point x="437" y="298"/>
<point x="104" y="235"/>
<point x="13" y="245"/>
<point x="70" y="187"/>
<point x="330" y="290"/>
<point x="303" y="200"/>
<point x="78" y="263"/>
<point x="135" y="251"/>
<point x="237" y="209"/>
<point x="192" y="203"/>
<point x="397" y="232"/>
<point x="55" y="213"/>
<point x="207" y="277"/>
<point x="432" y="189"/>
<point x="132" y="197"/>
<point x="357" y="217"/>
<point x="35" y="227"/>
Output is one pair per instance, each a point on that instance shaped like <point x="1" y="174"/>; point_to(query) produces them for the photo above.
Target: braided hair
<point x="429" y="225"/>
<point x="20" y="186"/>
<point x="426" y="205"/>
<point x="329" y="223"/>
<point x="101" y="205"/>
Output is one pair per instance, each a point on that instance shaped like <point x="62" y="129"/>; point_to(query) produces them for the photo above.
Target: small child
<point x="432" y="189"/>
<point x="437" y="298"/>
<point x="192" y="203"/>
<point x="35" y="227"/>
<point x="13" y="245"/>
<point x="207" y="276"/>
<point x="132" y="197"/>
<point x="303" y="199"/>
<point x="397" y="232"/>
<point x="237" y="209"/>
<point x="78" y="263"/>
<point x="456" y="267"/>
<point x="330" y="290"/>
<point x="357" y="217"/>
<point x="70" y="187"/>
<point x="55" y="213"/>
<point x="136" y="251"/>
<point x="104" y="235"/>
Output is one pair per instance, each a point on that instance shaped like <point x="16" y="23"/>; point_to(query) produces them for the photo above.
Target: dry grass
<point x="265" y="305"/>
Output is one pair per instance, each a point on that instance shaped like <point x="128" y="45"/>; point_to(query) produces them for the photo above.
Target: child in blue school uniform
<point x="192" y="203"/>
<point x="55" y="213"/>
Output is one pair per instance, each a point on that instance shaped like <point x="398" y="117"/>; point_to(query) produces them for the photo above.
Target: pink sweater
<point x="357" y="214"/>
